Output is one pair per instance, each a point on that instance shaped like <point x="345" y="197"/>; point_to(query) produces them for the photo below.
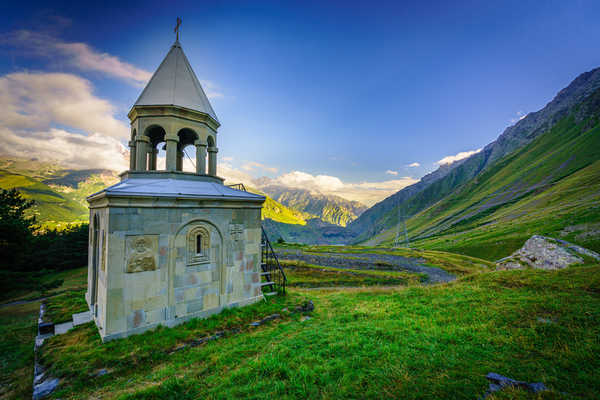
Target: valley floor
<point x="408" y="341"/>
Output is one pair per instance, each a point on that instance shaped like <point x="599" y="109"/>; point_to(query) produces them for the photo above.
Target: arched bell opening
<point x="156" y="135"/>
<point x="185" y="156"/>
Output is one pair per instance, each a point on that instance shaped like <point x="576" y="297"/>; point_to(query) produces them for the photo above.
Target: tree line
<point x="28" y="253"/>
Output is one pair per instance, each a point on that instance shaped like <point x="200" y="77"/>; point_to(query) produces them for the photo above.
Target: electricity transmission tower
<point x="401" y="219"/>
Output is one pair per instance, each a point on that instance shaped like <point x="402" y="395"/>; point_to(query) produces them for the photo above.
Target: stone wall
<point x="154" y="275"/>
<point x="97" y="277"/>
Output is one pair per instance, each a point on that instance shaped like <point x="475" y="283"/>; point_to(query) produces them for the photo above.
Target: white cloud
<point x="77" y="54"/>
<point x="252" y="165"/>
<point x="520" y="115"/>
<point x="366" y="192"/>
<point x="390" y="172"/>
<point x="69" y="149"/>
<point x="85" y="58"/>
<point x="233" y="175"/>
<point x="211" y="90"/>
<point x="456" y="157"/>
<point x="52" y="116"/>
<point x="40" y="100"/>
<point x="413" y="165"/>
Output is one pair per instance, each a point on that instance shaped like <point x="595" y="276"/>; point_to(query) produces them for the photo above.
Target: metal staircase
<point x="272" y="276"/>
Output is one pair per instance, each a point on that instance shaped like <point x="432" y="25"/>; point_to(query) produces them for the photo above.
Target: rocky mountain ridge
<point x="447" y="178"/>
<point x="329" y="208"/>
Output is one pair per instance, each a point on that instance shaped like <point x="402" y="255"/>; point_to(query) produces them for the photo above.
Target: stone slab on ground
<point x="45" y="388"/>
<point x="82" y="318"/>
<point x="59" y="329"/>
<point x="499" y="382"/>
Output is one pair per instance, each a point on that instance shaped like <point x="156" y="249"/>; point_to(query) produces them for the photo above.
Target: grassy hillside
<point x="444" y="181"/>
<point x="51" y="205"/>
<point x="415" y="343"/>
<point x="276" y="211"/>
<point x="550" y="187"/>
<point x="59" y="193"/>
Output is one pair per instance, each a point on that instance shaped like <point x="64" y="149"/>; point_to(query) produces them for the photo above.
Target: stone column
<point x="200" y="157"/>
<point x="212" y="161"/>
<point x="172" y="142"/>
<point x="153" y="153"/>
<point x="141" y="144"/>
<point x="132" y="155"/>
<point x="179" y="159"/>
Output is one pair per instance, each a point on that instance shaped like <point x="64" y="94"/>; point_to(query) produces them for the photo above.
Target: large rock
<point x="546" y="253"/>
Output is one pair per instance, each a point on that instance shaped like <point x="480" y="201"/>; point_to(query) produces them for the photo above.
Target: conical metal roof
<point x="175" y="83"/>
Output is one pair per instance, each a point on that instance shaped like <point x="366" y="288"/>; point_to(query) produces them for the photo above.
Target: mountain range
<point x="331" y="209"/>
<point x="541" y="176"/>
<point x="60" y="193"/>
<point x="514" y="180"/>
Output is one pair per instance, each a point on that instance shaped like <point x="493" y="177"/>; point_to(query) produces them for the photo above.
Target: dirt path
<point x="19" y="302"/>
<point x="369" y="261"/>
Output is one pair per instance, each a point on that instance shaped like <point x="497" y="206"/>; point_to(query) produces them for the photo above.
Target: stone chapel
<point x="168" y="245"/>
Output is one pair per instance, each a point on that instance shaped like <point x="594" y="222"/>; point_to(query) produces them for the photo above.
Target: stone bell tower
<point x="168" y="245"/>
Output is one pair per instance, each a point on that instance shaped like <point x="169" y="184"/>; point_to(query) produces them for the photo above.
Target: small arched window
<point x="198" y="246"/>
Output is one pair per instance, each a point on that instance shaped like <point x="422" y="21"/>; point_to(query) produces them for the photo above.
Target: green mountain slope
<point x="551" y="186"/>
<point x="442" y="182"/>
<point x="60" y="193"/>
<point x="50" y="204"/>
<point x="275" y="211"/>
<point x="331" y="209"/>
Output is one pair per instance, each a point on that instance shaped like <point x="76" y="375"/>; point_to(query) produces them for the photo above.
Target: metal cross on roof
<point x="177" y="27"/>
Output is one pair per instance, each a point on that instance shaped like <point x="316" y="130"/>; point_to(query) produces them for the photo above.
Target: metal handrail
<point x="238" y="186"/>
<point x="272" y="267"/>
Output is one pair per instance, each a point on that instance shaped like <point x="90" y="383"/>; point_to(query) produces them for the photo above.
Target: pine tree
<point x="16" y="229"/>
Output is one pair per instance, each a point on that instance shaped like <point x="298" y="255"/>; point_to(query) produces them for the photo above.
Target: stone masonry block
<point x="136" y="319"/>
<point x="211" y="300"/>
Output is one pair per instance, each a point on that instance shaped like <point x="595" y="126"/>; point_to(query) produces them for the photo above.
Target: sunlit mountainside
<point x="541" y="176"/>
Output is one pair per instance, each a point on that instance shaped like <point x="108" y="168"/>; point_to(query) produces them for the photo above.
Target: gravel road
<point x="369" y="261"/>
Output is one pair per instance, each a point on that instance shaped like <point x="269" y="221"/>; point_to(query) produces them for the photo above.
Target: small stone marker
<point x="265" y="319"/>
<point x="59" y="329"/>
<point x="82" y="318"/>
<point x="45" y="388"/>
<point x="307" y="306"/>
<point x="499" y="382"/>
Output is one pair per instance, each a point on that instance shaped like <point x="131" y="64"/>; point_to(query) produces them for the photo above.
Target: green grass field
<point x="415" y="342"/>
<point x="404" y="341"/>
<point x="18" y="328"/>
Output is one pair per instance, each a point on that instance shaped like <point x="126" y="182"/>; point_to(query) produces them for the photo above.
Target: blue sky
<point x="337" y="89"/>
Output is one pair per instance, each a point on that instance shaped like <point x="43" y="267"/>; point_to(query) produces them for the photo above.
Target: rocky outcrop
<point x="546" y="253"/>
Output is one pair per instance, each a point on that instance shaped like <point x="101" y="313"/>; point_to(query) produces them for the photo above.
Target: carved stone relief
<point x="141" y="253"/>
<point x="236" y="231"/>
